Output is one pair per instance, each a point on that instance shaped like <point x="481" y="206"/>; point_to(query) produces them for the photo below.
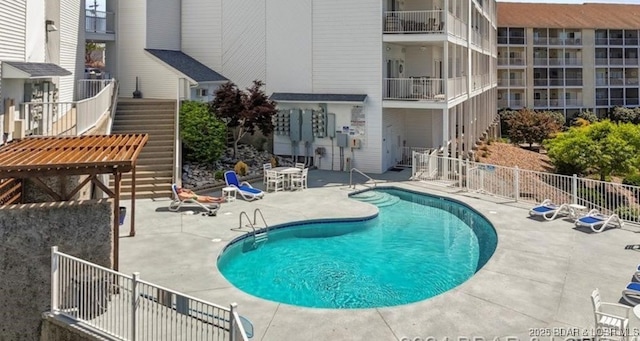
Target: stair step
<point x="147" y="195"/>
<point x="145" y="180"/>
<point x="155" y="153"/>
<point x="166" y="113"/>
<point x="166" y="143"/>
<point x="153" y="162"/>
<point x="158" y="123"/>
<point x="157" y="170"/>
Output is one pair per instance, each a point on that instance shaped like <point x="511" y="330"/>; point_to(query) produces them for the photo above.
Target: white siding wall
<point x="289" y="46"/>
<point x="13" y="29"/>
<point x="243" y="36"/>
<point x="347" y="58"/>
<point x="155" y="80"/>
<point x="35" y="34"/>
<point x="71" y="47"/>
<point x="423" y="128"/>
<point x="12" y="36"/>
<point x="392" y="127"/>
<point x="202" y="31"/>
<point x="282" y="144"/>
<point x="163" y="24"/>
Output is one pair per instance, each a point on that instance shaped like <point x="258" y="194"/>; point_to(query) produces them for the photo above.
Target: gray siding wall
<point x="80" y="228"/>
<point x="163" y="24"/>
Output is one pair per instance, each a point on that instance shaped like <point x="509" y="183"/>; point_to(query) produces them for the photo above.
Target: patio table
<point x="287" y="171"/>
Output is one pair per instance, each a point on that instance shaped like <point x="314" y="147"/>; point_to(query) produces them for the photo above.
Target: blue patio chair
<point x="244" y="188"/>
<point x="598" y="221"/>
<point x="549" y="211"/>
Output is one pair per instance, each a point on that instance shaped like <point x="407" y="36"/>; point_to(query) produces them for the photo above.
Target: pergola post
<point x="132" y="215"/>
<point x="116" y="219"/>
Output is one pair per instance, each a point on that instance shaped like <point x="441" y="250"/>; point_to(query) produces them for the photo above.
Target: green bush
<point x="632" y="179"/>
<point x="203" y="135"/>
<point x="218" y="175"/>
<point x="628" y="213"/>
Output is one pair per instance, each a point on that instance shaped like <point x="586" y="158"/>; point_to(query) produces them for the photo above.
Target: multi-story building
<point x="41" y="55"/>
<point x="568" y="57"/>
<point x="396" y="74"/>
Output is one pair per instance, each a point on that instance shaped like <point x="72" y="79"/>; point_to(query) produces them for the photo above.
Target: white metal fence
<point x="88" y="88"/>
<point x="67" y="118"/>
<point x="526" y="185"/>
<point x="419" y="88"/>
<point x="413" y="21"/>
<point x="407" y="153"/>
<point x="127" y="308"/>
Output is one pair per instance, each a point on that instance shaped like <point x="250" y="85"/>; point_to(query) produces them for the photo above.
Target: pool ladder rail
<point x="369" y="179"/>
<point x="260" y="237"/>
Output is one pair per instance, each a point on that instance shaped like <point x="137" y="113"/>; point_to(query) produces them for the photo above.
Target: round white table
<point x="636" y="310"/>
<point x="229" y="193"/>
<point x="287" y="171"/>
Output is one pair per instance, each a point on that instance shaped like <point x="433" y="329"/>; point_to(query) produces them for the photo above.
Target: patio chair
<point x="631" y="292"/>
<point x="265" y="167"/>
<point x="549" y="211"/>
<point x="598" y="221"/>
<point x="636" y="275"/>
<point x="299" y="181"/>
<point x="176" y="203"/>
<point x="300" y="165"/>
<point x="244" y="188"/>
<point x="610" y="322"/>
<point x="274" y="181"/>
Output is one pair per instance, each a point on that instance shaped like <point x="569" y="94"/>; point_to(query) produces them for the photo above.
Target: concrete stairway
<point x="154" y="169"/>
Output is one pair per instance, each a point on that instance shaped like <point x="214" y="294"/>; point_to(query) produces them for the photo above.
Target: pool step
<point x="260" y="237"/>
<point x="380" y="199"/>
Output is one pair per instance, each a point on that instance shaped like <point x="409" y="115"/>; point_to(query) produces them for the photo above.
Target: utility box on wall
<point x="342" y="140"/>
<point x="307" y="125"/>
<point x="295" y="123"/>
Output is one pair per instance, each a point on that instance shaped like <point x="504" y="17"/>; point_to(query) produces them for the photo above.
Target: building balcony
<point x="617" y="101"/>
<point x="414" y="89"/>
<point x="602" y="41"/>
<point x="538" y="103"/>
<point x="632" y="101"/>
<point x="511" y="103"/>
<point x="511" y="61"/>
<point x="99" y="26"/>
<point x="602" y="61"/>
<point x="616" y="81"/>
<point x="602" y="82"/>
<point x="413" y="22"/>
<point x="602" y="101"/>
<point x="577" y="81"/>
<point x="631" y="81"/>
<point x="631" y="41"/>
<point x="573" y="102"/>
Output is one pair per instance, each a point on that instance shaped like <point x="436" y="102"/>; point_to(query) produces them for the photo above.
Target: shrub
<point x="591" y="195"/>
<point x="218" y="175"/>
<point x="274" y="162"/>
<point x="241" y="168"/>
<point x="203" y="135"/>
<point x="632" y="179"/>
<point x="485" y="154"/>
<point x="628" y="213"/>
<point x="485" y="148"/>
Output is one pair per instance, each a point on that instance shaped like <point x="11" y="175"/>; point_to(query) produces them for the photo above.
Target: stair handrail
<point x="114" y="104"/>
<point x="255" y="212"/>
<point x="177" y="151"/>
<point x="361" y="173"/>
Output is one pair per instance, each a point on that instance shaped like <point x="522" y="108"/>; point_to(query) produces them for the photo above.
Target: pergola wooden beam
<point x="91" y="155"/>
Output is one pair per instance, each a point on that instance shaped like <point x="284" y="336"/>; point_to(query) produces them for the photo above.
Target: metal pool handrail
<point x="361" y="173"/>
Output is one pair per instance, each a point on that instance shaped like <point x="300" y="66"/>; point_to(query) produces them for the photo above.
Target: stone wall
<point x="27" y="233"/>
<point x="58" y="328"/>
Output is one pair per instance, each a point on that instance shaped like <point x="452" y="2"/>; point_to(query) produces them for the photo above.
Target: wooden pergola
<point x="91" y="155"/>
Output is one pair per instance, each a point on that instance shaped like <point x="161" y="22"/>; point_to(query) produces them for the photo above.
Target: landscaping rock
<point x="199" y="176"/>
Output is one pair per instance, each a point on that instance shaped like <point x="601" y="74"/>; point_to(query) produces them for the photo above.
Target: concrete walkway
<point x="541" y="275"/>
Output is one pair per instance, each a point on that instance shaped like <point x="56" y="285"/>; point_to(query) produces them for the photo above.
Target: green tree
<point x="603" y="147"/>
<point x="584" y="118"/>
<point x="528" y="126"/>
<point x="625" y="115"/>
<point x="203" y="135"/>
<point x="244" y="112"/>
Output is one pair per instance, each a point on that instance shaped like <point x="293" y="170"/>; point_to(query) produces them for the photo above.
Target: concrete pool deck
<point x="541" y="275"/>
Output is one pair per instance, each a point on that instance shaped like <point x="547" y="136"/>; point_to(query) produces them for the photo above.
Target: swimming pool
<point x="417" y="247"/>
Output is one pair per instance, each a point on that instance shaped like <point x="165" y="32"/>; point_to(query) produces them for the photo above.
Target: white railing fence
<point x="88" y="88"/>
<point x="99" y="21"/>
<point x="407" y="152"/>
<point x="67" y="118"/>
<point x="127" y="308"/>
<point x="418" y="88"/>
<point x="413" y="21"/>
<point x="527" y="185"/>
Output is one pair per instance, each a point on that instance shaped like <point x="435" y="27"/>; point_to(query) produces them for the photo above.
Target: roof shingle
<point x="37" y="70"/>
<point x="317" y="98"/>
<point x="187" y="65"/>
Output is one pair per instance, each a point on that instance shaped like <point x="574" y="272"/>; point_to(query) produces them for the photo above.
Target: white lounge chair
<point x="631" y="293"/>
<point x="598" y="221"/>
<point x="176" y="203"/>
<point x="610" y="322"/>
<point x="244" y="188"/>
<point x="549" y="211"/>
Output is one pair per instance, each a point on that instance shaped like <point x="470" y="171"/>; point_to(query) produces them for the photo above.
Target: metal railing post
<point x="135" y="293"/>
<point x="516" y="183"/>
<point x="232" y="327"/>
<point x="460" y="172"/>
<point x="54" y="279"/>
<point x="466" y="175"/>
<point x="414" y="161"/>
<point x="574" y="189"/>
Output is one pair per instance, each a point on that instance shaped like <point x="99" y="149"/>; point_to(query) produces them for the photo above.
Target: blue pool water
<point x="417" y="247"/>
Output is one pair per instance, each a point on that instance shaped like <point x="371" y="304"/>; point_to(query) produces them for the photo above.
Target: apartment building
<point x="41" y="57"/>
<point x="568" y="57"/>
<point x="395" y="75"/>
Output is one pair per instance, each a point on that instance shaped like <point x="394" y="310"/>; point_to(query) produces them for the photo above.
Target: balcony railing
<point x="540" y="61"/>
<point x="456" y="27"/>
<point x="616" y="81"/>
<point x="422" y="88"/>
<point x="541" y="102"/>
<point x="571" y="81"/>
<point x="511" y="61"/>
<point x="573" y="102"/>
<point x="510" y="103"/>
<point x="457" y="86"/>
<point x="602" y="82"/>
<point x="602" y="41"/>
<point x="99" y="22"/>
<point x="413" y="22"/>
<point x="602" y="101"/>
<point x="602" y="61"/>
<point x="631" y="80"/>
<point x="631" y="41"/>
<point x="66" y="118"/>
